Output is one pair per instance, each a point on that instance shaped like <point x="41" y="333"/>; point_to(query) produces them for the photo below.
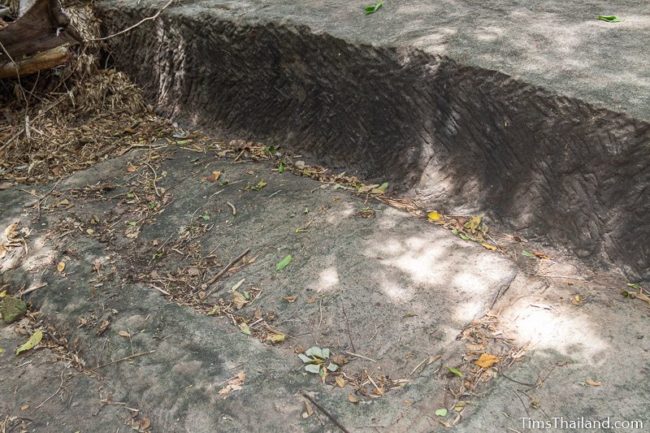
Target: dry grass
<point x="70" y="118"/>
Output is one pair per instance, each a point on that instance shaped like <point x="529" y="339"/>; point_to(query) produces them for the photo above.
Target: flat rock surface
<point x="116" y="262"/>
<point x="557" y="45"/>
<point x="365" y="278"/>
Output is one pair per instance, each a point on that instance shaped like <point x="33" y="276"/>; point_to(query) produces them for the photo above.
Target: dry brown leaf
<point x="353" y="398"/>
<point x="239" y="300"/>
<point x="214" y="176"/>
<point x="290" y="299"/>
<point x="340" y="381"/>
<point x="592" y="382"/>
<point x="486" y="360"/>
<point x="124" y="334"/>
<point x="144" y="424"/>
<point x="233" y="384"/>
<point x="11" y="231"/>
<point x="130" y="168"/>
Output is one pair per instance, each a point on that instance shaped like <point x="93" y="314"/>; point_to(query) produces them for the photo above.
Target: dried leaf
<point x="214" y="176"/>
<point x="486" y="360"/>
<point x="60" y="267"/>
<point x="340" y="381"/>
<point x="290" y="299"/>
<point x="33" y="341"/>
<point x="592" y="382"/>
<point x="276" y="338"/>
<point x="353" y="398"/>
<point x="11" y="231"/>
<point x="144" y="424"/>
<point x="488" y="246"/>
<point x="234" y="384"/>
<point x="239" y="300"/>
<point x="124" y="334"/>
<point x="473" y="224"/>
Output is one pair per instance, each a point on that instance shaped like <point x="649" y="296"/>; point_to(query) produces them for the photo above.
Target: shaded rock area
<point x="535" y="114"/>
<point x="116" y="263"/>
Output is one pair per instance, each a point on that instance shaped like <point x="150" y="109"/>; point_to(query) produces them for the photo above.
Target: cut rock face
<point x="424" y="103"/>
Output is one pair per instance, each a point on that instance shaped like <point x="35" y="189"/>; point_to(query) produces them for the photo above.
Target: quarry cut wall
<point x="452" y="135"/>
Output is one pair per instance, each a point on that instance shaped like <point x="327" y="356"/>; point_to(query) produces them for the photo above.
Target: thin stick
<point x="360" y="356"/>
<point x="325" y="412"/>
<point x="347" y="326"/>
<point x="126" y="358"/>
<point x="161" y="290"/>
<point x="226" y="268"/>
<point x="155" y="177"/>
<point x="128" y="29"/>
<point x="55" y="393"/>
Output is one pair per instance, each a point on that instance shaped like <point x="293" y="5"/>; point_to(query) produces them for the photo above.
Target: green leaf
<point x="31" y="343"/>
<point x="441" y="412"/>
<point x="455" y="371"/>
<point x="281" y="167"/>
<point x="315" y="351"/>
<point x="527" y="254"/>
<point x="371" y="9"/>
<point x="305" y="359"/>
<point x="1" y="350"/>
<point x="283" y="263"/>
<point x="634" y="286"/>
<point x="609" y="18"/>
<point x="244" y="328"/>
<point x="326" y="353"/>
<point x="313" y="368"/>
<point x="332" y="367"/>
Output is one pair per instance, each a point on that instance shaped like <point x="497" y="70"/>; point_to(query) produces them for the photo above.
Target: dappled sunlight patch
<point x="467" y="311"/>
<point x="568" y="333"/>
<point x="395" y="291"/>
<point x="328" y="280"/>
<point x="346" y="211"/>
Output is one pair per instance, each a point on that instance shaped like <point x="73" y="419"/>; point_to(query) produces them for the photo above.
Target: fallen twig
<point x="356" y="355"/>
<point x="128" y="29"/>
<point x="225" y="269"/>
<point x="126" y="358"/>
<point x="325" y="412"/>
<point x="55" y="393"/>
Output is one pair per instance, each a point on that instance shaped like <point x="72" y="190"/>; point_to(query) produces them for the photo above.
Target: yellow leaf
<point x="592" y="382"/>
<point x="486" y="360"/>
<point x="31" y="343"/>
<point x="1" y="350"/>
<point x="489" y="246"/>
<point x="434" y="216"/>
<point x="577" y="299"/>
<point x="3" y="293"/>
<point x="276" y="338"/>
<point x="60" y="267"/>
<point x="340" y="381"/>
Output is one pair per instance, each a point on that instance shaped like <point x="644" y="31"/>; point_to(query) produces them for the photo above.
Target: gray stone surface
<point x="535" y="114"/>
<point x="393" y="287"/>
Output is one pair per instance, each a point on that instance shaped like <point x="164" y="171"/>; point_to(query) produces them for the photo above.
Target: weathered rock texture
<point x="433" y="118"/>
